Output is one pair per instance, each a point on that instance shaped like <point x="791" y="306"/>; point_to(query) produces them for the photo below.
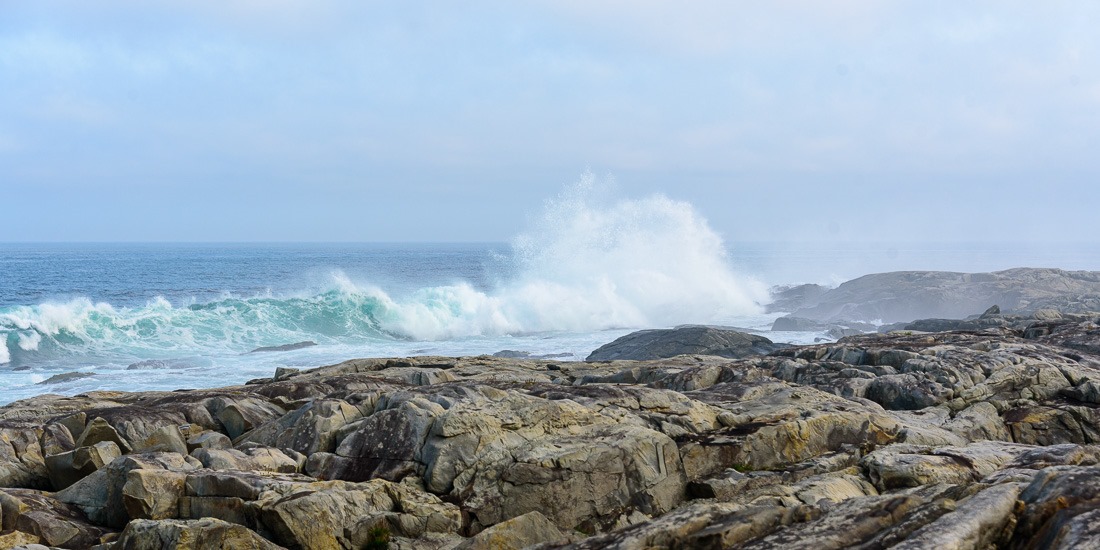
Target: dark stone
<point x="684" y="340"/>
<point x="285" y="347"/>
<point x="511" y="354"/>
<point x="66" y="377"/>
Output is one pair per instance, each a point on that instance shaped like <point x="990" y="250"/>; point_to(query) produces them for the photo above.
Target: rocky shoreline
<point x="974" y="438"/>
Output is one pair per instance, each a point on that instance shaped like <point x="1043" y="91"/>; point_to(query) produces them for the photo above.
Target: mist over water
<point x="588" y="262"/>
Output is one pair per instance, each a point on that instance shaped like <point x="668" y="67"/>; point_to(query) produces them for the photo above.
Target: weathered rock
<point x="152" y="493"/>
<point x="230" y="495"/>
<point x="198" y="534"/>
<point x="516" y="533"/>
<point x="240" y="414"/>
<point x="66" y="377"/>
<point x="309" y="429"/>
<point x="684" y="340"/>
<point x="20" y="540"/>
<point x="900" y="466"/>
<point x="208" y="440"/>
<point x="101" y="495"/>
<point x="259" y="459"/>
<point x="72" y="466"/>
<point x="978" y="522"/>
<point x="285" y="347"/>
<point x="848" y="524"/>
<point x="99" y="430"/>
<point x="329" y="514"/>
<point x="909" y="295"/>
<point x="1077" y="532"/>
<point x="870" y="442"/>
<point x="21" y="460"/>
<point x="43" y="519"/>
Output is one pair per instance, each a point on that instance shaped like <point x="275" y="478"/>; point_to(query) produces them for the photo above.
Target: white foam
<point x="28" y="341"/>
<point x="5" y="356"/>
<point x="586" y="265"/>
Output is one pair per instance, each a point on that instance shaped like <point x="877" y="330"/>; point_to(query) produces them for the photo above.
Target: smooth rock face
<point x="967" y="439"/>
<point x="685" y="340"/>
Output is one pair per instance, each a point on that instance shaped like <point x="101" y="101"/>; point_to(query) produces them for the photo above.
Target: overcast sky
<point x="451" y="121"/>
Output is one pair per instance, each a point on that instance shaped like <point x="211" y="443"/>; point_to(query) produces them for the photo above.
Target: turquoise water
<point x="167" y="316"/>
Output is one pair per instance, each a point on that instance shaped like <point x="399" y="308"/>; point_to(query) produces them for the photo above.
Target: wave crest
<point x="586" y="264"/>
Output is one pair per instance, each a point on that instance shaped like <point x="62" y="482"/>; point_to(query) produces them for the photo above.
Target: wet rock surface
<point x="978" y="438"/>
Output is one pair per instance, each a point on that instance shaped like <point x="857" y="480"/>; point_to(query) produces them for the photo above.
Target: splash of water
<point x="587" y="263"/>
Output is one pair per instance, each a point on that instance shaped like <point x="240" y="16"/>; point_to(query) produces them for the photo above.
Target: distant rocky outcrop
<point x="908" y="295"/>
<point x="285" y="347"/>
<point x="960" y="439"/>
<point x="66" y="377"/>
<point x="645" y="345"/>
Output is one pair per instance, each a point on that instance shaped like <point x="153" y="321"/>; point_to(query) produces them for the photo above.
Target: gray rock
<point x="66" y="377"/>
<point x="285" y="347"/>
<point x="198" y="534"/>
<point x="908" y="295"/>
<point x="519" y="532"/>
<point x="684" y="340"/>
<point x="794" y="298"/>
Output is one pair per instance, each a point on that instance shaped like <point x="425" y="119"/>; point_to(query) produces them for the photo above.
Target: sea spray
<point x="586" y="263"/>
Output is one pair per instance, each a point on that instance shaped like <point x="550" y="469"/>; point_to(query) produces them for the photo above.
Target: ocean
<point x="163" y="316"/>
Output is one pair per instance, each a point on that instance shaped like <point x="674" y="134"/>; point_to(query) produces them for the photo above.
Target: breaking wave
<point x="586" y="263"/>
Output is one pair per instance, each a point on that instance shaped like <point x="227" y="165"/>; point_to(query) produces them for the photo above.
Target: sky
<point x="288" y="120"/>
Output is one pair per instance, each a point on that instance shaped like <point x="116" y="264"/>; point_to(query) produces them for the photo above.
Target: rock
<point x="208" y="440"/>
<point x="1053" y="498"/>
<point x="1079" y="532"/>
<point x="285" y="347"/>
<point x="257" y="459"/>
<point x="512" y="354"/>
<point x="101" y="495"/>
<point x="334" y="514"/>
<point x="516" y="533"/>
<point x="848" y="524"/>
<point x="993" y="310"/>
<point x="230" y="495"/>
<point x="20" y="540"/>
<point x="978" y="522"/>
<point x="684" y="340"/>
<point x="240" y="415"/>
<point x="163" y="439"/>
<point x="66" y="377"/>
<point x="284" y="373"/>
<point x="43" y="519"/>
<point x="72" y="466"/>
<point x="21" y="460"/>
<point x="908" y="295"/>
<point x="152" y="494"/>
<point x="99" y="430"/>
<point x="879" y="440"/>
<point x="198" y="534"/>
<point x="312" y="428"/>
<point x="794" y="298"/>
